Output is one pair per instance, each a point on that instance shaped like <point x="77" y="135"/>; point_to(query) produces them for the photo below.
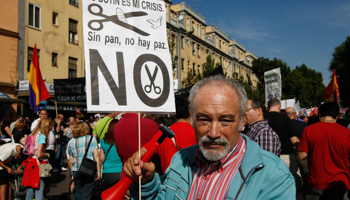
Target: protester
<point x="5" y="128"/>
<point x="61" y="141"/>
<point x="76" y="150"/>
<point x="112" y="164"/>
<point x="297" y="124"/>
<point x="184" y="134"/>
<point x="126" y="135"/>
<point x="8" y="152"/>
<point x="101" y="126"/>
<point x="12" y="125"/>
<point x="20" y="130"/>
<point x="285" y="130"/>
<point x="42" y="114"/>
<point x="224" y="164"/>
<point x="31" y="179"/>
<point x="258" y="128"/>
<point x="326" y="145"/>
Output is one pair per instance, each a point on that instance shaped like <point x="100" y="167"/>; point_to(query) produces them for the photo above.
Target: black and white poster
<point x="273" y="84"/>
<point x="127" y="58"/>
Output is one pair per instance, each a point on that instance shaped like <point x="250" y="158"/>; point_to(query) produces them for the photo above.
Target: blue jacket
<point x="262" y="175"/>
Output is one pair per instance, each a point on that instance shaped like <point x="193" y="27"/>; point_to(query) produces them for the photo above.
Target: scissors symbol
<point x="119" y="19"/>
<point x="148" y="88"/>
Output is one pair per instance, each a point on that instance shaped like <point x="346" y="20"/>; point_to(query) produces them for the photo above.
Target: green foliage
<point x="193" y="76"/>
<point x="246" y="84"/>
<point x="341" y="64"/>
<point x="172" y="46"/>
<point x="301" y="83"/>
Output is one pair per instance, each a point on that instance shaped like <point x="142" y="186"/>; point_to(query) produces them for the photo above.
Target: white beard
<point x="214" y="155"/>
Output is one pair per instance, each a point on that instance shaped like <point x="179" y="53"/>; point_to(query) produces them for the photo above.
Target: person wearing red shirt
<point x="184" y="134"/>
<point x="326" y="146"/>
<point x="126" y="135"/>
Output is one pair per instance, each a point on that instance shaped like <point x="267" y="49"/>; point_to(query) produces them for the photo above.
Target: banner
<point x="72" y="89"/>
<point x="127" y="58"/>
<point x="273" y="84"/>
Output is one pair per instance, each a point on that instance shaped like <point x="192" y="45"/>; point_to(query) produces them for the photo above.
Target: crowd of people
<point x="226" y="146"/>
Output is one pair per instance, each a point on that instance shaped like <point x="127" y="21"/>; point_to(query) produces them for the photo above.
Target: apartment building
<point x="195" y="40"/>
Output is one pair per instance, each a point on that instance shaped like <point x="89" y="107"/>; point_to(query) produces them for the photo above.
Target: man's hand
<point x="9" y="170"/>
<point x="19" y="170"/>
<point x="134" y="168"/>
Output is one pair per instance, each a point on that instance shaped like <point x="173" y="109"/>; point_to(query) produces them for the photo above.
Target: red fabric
<point x="327" y="145"/>
<point x="31" y="173"/>
<point x="126" y="135"/>
<point x="184" y="137"/>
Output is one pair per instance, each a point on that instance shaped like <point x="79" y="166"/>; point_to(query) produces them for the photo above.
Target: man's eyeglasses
<point x="251" y="108"/>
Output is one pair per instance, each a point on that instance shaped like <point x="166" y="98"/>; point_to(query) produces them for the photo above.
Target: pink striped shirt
<point x="213" y="181"/>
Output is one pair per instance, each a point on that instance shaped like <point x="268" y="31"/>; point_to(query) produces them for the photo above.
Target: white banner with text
<point x="127" y="59"/>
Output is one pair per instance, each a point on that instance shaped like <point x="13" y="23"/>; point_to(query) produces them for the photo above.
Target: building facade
<point x="55" y="27"/>
<point x="195" y="40"/>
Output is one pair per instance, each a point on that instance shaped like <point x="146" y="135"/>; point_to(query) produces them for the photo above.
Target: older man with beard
<point x="224" y="164"/>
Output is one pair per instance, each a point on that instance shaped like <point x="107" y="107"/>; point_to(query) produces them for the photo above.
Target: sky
<point x="297" y="32"/>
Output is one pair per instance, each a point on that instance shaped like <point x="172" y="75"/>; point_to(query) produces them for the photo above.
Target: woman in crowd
<point x="76" y="149"/>
<point x="35" y="184"/>
<point x="5" y="128"/>
<point x="112" y="164"/>
<point x="20" y="131"/>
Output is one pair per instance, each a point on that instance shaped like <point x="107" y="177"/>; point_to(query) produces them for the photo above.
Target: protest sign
<point x="127" y="58"/>
<point x="273" y="84"/>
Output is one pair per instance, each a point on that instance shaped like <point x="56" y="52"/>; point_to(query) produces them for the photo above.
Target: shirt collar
<point x="258" y="123"/>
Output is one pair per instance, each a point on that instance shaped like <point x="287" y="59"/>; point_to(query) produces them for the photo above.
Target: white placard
<point x="287" y="103"/>
<point x="273" y="84"/>
<point x="127" y="58"/>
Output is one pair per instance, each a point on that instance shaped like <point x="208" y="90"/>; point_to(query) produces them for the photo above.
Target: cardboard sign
<point x="273" y="84"/>
<point x="127" y="58"/>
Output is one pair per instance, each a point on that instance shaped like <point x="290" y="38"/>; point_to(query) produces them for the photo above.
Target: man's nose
<point x="214" y="131"/>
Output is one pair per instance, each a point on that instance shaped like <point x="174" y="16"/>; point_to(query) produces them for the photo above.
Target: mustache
<point x="206" y="139"/>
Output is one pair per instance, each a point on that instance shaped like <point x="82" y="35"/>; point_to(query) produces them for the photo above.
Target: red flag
<point x="332" y="90"/>
<point x="77" y="111"/>
<point x="37" y="88"/>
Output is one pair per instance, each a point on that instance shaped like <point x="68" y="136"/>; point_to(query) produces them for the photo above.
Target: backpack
<point x="29" y="145"/>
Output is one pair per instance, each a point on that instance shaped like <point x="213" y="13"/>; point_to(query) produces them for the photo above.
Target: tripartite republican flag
<point x="37" y="88"/>
<point x="332" y="90"/>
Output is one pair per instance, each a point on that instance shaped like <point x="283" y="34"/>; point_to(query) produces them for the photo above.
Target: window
<point x="198" y="51"/>
<point x="219" y="44"/>
<point x="54" y="59"/>
<point x="54" y="19"/>
<point x="198" y="30"/>
<point x="198" y="69"/>
<point x="183" y="42"/>
<point x="182" y="64"/>
<point x="194" y="68"/>
<point x="34" y="16"/>
<point x="72" y="67"/>
<point x="194" y="48"/>
<point x="29" y="57"/>
<point x="73" y="32"/>
<point x="74" y="2"/>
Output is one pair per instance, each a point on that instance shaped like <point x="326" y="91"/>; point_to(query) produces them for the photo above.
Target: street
<point x="60" y="191"/>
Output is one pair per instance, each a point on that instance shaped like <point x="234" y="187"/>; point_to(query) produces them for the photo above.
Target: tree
<point x="301" y="83"/>
<point x="261" y="65"/>
<point x="193" y="76"/>
<point x="341" y="64"/>
<point x="246" y="84"/>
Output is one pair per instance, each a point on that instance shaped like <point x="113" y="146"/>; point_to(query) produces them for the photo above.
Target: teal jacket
<point x="262" y="175"/>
